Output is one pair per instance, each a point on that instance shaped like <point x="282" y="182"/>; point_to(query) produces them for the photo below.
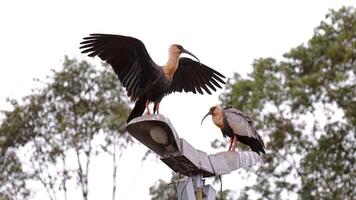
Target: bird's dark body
<point x="255" y="143"/>
<point x="153" y="92"/>
<point x="143" y="79"/>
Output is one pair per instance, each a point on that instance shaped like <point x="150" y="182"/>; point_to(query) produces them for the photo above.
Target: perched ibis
<point x="144" y="80"/>
<point x="238" y="126"/>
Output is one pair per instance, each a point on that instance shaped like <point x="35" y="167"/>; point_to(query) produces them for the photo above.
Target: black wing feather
<point x="198" y="84"/>
<point x="127" y="56"/>
<point x="192" y="76"/>
<point x="202" y="83"/>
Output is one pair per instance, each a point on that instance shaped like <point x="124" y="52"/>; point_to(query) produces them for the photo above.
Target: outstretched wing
<point x="127" y="56"/>
<point x="243" y="127"/>
<point x="192" y="76"/>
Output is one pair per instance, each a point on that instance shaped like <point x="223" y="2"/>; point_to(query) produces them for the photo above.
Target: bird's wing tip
<point x="96" y="34"/>
<point x="221" y="75"/>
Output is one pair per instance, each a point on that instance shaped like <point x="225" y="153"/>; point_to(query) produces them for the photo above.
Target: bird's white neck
<point x="171" y="66"/>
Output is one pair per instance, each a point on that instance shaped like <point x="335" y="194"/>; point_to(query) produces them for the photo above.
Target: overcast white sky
<point x="227" y="36"/>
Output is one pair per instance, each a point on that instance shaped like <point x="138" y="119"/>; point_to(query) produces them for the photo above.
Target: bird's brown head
<point x="176" y="50"/>
<point x="213" y="111"/>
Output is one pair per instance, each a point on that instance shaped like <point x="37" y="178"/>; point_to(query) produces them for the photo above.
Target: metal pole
<point x="198" y="184"/>
<point x="199" y="194"/>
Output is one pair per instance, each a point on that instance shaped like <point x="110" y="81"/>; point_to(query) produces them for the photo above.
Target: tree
<point x="12" y="179"/>
<point x="306" y="106"/>
<point x="163" y="190"/>
<point x="81" y="105"/>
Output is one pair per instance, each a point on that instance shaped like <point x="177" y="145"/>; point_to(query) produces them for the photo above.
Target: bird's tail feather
<point x="255" y="144"/>
<point x="138" y="109"/>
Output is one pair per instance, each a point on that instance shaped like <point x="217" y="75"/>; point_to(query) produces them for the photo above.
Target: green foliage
<point x="225" y="195"/>
<point x="12" y="178"/>
<point x="305" y="105"/>
<point x="78" y="105"/>
<point x="329" y="167"/>
<point x="165" y="191"/>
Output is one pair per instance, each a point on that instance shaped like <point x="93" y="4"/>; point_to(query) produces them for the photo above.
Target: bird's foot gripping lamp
<point x="158" y="134"/>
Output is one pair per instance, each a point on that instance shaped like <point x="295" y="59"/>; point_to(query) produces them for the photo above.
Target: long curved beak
<point x="187" y="52"/>
<point x="209" y="113"/>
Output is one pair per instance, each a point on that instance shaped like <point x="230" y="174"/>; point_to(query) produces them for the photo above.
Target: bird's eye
<point x="179" y="47"/>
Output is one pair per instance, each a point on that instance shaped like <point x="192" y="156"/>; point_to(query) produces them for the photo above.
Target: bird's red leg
<point x="157" y="107"/>
<point x="230" y="145"/>
<point x="147" y="107"/>
<point x="234" y="140"/>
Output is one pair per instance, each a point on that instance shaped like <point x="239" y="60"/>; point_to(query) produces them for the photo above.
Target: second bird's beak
<point x="209" y="113"/>
<point x="187" y="52"/>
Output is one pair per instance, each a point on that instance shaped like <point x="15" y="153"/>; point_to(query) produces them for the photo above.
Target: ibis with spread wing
<point x="144" y="80"/>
